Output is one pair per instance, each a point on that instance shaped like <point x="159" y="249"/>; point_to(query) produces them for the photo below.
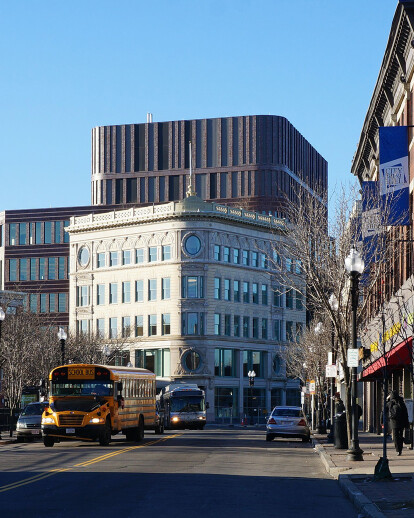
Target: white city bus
<point x="184" y="406"/>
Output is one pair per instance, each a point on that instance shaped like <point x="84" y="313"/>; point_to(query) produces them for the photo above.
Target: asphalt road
<point x="209" y="473"/>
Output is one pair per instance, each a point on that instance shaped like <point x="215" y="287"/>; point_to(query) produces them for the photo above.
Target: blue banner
<point x="371" y="226"/>
<point x="394" y="175"/>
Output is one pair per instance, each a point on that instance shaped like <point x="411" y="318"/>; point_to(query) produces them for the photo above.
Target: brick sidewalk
<point x="377" y="499"/>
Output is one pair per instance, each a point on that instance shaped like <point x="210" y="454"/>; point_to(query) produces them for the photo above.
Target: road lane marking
<point x="56" y="471"/>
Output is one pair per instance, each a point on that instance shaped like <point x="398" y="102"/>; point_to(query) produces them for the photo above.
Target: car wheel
<point x="48" y="441"/>
<point x="105" y="436"/>
<point x="20" y="439"/>
<point x="306" y="439"/>
<point x="269" y="438"/>
<point x="140" y="434"/>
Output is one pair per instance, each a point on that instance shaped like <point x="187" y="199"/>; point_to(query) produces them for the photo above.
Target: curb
<point x="360" y="501"/>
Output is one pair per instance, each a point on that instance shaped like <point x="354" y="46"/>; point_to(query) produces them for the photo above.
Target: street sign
<point x="312" y="387"/>
<point x="331" y="371"/>
<point x="352" y="358"/>
<point x="330" y="355"/>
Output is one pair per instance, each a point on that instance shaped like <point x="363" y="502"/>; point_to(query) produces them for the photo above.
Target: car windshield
<point x="287" y="412"/>
<point x="82" y="388"/>
<point x="35" y="409"/>
<point x="187" y="404"/>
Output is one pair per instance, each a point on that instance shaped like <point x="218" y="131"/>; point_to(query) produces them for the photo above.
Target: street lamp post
<point x="333" y="302"/>
<point x="62" y="338"/>
<point x="321" y="423"/>
<point x="2" y="317"/>
<point x="354" y="265"/>
<point x="251" y="375"/>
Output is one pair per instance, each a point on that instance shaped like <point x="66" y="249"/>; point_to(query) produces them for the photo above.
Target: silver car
<point x="287" y="421"/>
<point x="29" y="423"/>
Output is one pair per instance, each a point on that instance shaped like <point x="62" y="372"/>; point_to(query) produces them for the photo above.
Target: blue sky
<point x="70" y="66"/>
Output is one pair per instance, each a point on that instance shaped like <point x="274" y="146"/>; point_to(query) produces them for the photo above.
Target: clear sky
<point x="69" y="66"/>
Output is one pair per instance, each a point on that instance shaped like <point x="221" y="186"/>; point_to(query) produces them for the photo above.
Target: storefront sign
<point x="352" y="358"/>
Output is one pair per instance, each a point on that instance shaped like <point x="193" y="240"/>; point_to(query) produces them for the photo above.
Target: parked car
<point x="287" y="421"/>
<point x="29" y="423"/>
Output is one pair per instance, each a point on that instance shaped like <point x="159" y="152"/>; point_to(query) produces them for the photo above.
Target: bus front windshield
<point x="82" y="388"/>
<point x="187" y="404"/>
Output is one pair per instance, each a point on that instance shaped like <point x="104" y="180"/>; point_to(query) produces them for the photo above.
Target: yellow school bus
<point x="93" y="402"/>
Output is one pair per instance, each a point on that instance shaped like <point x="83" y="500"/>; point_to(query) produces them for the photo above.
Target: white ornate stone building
<point x="189" y="287"/>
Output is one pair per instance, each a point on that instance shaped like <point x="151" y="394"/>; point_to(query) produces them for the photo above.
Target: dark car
<point x="29" y="423"/>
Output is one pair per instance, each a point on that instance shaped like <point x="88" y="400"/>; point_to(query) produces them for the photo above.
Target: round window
<point x="277" y="364"/>
<point x="191" y="360"/>
<point x="192" y="245"/>
<point x="83" y="256"/>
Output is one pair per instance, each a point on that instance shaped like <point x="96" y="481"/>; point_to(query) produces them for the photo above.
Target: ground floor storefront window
<point x="226" y="404"/>
<point x="254" y="405"/>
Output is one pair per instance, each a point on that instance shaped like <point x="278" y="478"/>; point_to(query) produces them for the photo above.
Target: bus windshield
<point x="187" y="404"/>
<point x="82" y="388"/>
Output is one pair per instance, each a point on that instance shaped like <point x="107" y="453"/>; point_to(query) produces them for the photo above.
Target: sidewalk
<point x="377" y="499"/>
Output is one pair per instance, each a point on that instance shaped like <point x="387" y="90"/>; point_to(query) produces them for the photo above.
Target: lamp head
<point x="62" y="335"/>
<point x="333" y="302"/>
<point x="2" y="314"/>
<point x="354" y="262"/>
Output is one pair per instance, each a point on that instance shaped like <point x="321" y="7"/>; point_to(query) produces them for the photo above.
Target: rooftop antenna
<point x="190" y="190"/>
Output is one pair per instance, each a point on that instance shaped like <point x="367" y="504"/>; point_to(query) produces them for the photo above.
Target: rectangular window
<point x="113" y="327"/>
<point x="227" y="293"/>
<point x="191" y="323"/>
<point x="255" y="329"/>
<point x="217" y="253"/>
<point x="139" y="325"/>
<point x="253" y="360"/>
<point x="236" y="291"/>
<point x="152" y="325"/>
<point x="166" y="252"/>
<point x="100" y="259"/>
<point x="52" y="268"/>
<point x="126" y="292"/>
<point x="42" y="268"/>
<point x="61" y="268"/>
<point x="52" y="302"/>
<point x="277" y="297"/>
<point x="227" y="325"/>
<point x="299" y="330"/>
<point x="217" y="323"/>
<point x="264" y="294"/>
<point x="254" y="259"/>
<point x="33" y="269"/>
<point x="165" y="288"/>
<point x="289" y="331"/>
<point x="139" y="255"/>
<point x="223" y="185"/>
<point x="289" y="298"/>
<point x="126" y="327"/>
<point x="224" y="362"/>
<point x="152" y="254"/>
<point x="152" y="289"/>
<point x="126" y="257"/>
<point x="13" y="234"/>
<point x="166" y="324"/>
<point x="62" y="303"/>
<point x="100" y="294"/>
<point x="245" y="257"/>
<point x="113" y="258"/>
<point x="263" y="261"/>
<point x="48" y="232"/>
<point x="236" y="325"/>
<point x="139" y="291"/>
<point x="65" y="234"/>
<point x="277" y="330"/>
<point x="264" y="328"/>
<point x="299" y="301"/>
<point x="246" y="325"/>
<point x="23" y="269"/>
<point x="58" y="230"/>
<point x="38" y="232"/>
<point x="288" y="264"/>
<point x="83" y="298"/>
<point x="236" y="256"/>
<point x="43" y="306"/>
<point x="22" y="234"/>
<point x="298" y="267"/>
<point x="255" y="293"/>
<point x="193" y="287"/>
<point x="226" y="254"/>
<point x="13" y="270"/>
<point x="33" y="302"/>
<point x="113" y="293"/>
<point x="100" y="327"/>
<point x="217" y="288"/>
<point x="246" y="296"/>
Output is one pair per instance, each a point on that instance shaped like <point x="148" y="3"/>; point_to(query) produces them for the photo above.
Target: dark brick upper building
<point x="250" y="161"/>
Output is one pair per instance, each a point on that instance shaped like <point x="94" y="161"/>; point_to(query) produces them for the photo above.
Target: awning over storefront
<point x="399" y="357"/>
